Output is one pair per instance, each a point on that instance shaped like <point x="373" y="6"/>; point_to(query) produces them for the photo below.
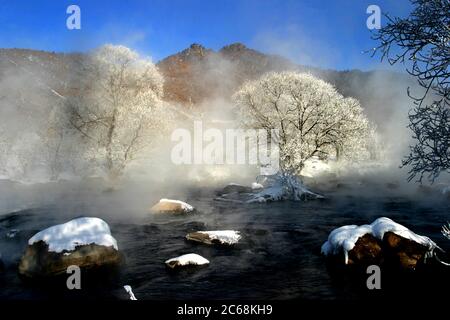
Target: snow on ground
<point x="186" y="260"/>
<point x="81" y="231"/>
<point x="345" y="238"/>
<point x="185" y="206"/>
<point x="229" y="237"/>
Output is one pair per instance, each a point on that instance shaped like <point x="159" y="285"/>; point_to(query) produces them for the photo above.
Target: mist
<point x="30" y="88"/>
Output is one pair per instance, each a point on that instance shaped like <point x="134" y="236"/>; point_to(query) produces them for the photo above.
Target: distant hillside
<point x="197" y="74"/>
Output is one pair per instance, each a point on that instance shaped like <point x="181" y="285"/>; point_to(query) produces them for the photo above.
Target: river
<point x="278" y="258"/>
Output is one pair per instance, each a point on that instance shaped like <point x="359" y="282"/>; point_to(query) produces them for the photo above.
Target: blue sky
<point x="328" y="34"/>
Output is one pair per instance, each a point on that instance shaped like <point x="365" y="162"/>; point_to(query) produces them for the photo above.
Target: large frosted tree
<point x="119" y="111"/>
<point x="312" y="118"/>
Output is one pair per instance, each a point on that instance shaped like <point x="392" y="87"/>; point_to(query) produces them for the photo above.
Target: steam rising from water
<point x="26" y="99"/>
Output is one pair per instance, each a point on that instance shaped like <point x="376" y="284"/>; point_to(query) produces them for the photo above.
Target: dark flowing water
<point x="278" y="258"/>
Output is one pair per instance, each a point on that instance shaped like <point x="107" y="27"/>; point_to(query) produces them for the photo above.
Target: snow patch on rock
<point x="187" y="260"/>
<point x="228" y="237"/>
<point x="77" y="232"/>
<point x="185" y="206"/>
<point x="129" y="290"/>
<point x="345" y="237"/>
<point x="257" y="186"/>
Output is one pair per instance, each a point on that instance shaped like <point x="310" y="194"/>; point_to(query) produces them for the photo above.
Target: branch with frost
<point x="421" y="43"/>
<point x="446" y="230"/>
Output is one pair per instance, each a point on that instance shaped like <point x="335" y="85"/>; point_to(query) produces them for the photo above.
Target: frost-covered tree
<point x="312" y="118"/>
<point x="119" y="109"/>
<point x="421" y="42"/>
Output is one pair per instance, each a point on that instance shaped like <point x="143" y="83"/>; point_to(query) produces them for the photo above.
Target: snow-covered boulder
<point x="190" y="259"/>
<point x="221" y="237"/>
<point x="382" y="242"/>
<point x="84" y="242"/>
<point x="172" y="206"/>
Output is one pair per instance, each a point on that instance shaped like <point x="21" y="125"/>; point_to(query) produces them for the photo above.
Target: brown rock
<point x="403" y="252"/>
<point x="37" y="261"/>
<point x="367" y="251"/>
<point x="168" y="206"/>
<point x="203" y="237"/>
<point x="200" y="237"/>
<point x="235" y="188"/>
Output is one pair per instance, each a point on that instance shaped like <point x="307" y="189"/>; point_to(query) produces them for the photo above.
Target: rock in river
<point x="384" y="242"/>
<point x="84" y="242"/>
<point x="171" y="206"/>
<point x="186" y="260"/>
<point x="221" y="237"/>
<point x="236" y="188"/>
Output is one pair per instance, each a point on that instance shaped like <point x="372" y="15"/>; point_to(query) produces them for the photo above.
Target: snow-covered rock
<point x="381" y="240"/>
<point x="77" y="232"/>
<point x="190" y="259"/>
<point x="172" y="206"/>
<point x="257" y="186"/>
<point x="222" y="237"/>
<point x="85" y="242"/>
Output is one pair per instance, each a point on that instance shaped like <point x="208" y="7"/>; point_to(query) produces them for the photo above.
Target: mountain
<point x="197" y="74"/>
